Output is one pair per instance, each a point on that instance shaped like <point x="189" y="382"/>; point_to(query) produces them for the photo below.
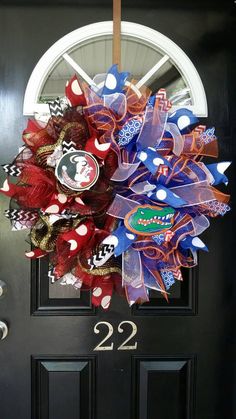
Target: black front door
<point x="62" y="359"/>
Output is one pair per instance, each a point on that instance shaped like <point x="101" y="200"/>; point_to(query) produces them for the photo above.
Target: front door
<point x="62" y="359"/>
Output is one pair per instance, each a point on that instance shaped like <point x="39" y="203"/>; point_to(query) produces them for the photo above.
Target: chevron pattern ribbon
<point x="102" y="256"/>
<point x="164" y="103"/>
<point x="55" y="107"/>
<point x="68" y="146"/>
<point x="51" y="275"/>
<point x="11" y="169"/>
<point x="21" y="215"/>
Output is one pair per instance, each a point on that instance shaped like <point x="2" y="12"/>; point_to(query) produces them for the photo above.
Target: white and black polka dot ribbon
<point x="21" y="215"/>
<point x="11" y="169"/>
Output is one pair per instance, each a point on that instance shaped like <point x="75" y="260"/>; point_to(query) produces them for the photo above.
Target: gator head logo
<point x="148" y="220"/>
<point x="78" y="170"/>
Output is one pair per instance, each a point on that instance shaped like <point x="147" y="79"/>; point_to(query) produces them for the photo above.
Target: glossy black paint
<point x="197" y="350"/>
<point x="156" y="4"/>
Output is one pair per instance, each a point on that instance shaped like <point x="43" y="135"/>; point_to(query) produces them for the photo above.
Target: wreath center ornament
<point x="148" y="220"/>
<point x="77" y="170"/>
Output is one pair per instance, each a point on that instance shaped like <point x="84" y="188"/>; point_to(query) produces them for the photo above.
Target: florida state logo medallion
<point x="77" y="170"/>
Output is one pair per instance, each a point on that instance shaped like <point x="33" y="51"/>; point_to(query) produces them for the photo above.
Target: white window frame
<point x="145" y="34"/>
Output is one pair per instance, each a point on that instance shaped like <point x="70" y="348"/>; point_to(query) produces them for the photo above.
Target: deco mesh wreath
<point x="114" y="189"/>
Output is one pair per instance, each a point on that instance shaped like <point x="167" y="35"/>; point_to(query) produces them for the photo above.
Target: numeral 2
<point x="123" y="346"/>
<point x="99" y="347"/>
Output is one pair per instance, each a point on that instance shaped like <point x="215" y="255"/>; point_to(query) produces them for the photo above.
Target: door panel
<point x="181" y="367"/>
<point x="164" y="384"/>
<point x="63" y="388"/>
<point x="54" y="299"/>
<point x="182" y="298"/>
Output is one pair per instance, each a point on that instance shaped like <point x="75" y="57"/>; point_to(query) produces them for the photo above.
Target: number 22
<point x="123" y="346"/>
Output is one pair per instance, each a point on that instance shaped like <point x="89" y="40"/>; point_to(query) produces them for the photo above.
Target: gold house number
<point x="110" y="330"/>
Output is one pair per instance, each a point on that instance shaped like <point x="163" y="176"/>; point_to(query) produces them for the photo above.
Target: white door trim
<point x="147" y="35"/>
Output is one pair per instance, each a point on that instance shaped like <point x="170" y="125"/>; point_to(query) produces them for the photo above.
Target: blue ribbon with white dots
<point x="115" y="81"/>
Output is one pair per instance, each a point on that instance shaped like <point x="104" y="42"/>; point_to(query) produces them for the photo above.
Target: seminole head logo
<point x="77" y="170"/>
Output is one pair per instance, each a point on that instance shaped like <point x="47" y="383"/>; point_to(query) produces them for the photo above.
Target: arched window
<point x="151" y="58"/>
